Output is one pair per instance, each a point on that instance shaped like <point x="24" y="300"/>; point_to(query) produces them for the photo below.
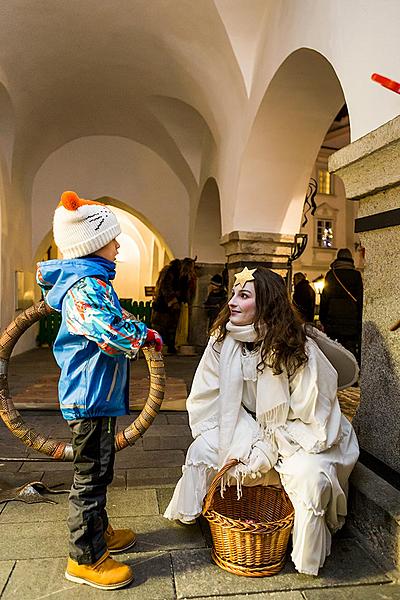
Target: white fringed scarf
<point x="272" y="400"/>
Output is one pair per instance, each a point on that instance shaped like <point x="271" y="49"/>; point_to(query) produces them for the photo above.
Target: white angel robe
<point x="316" y="448"/>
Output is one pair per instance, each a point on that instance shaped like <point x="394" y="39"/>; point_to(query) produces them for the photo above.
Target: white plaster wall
<point x="285" y="139"/>
<point x="15" y="254"/>
<point x="207" y="233"/>
<point x="135" y="260"/>
<point x="357" y="38"/>
<point x="111" y="166"/>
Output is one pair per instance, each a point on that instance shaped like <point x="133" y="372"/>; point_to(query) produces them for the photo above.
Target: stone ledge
<point x="371" y="142"/>
<point x="374" y="517"/>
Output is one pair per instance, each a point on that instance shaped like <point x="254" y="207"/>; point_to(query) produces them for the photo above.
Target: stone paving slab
<point x="161" y="442"/>
<point x="137" y="458"/>
<point x="178" y="429"/>
<point x="120" y="503"/>
<point x="63" y="479"/>
<point x="13" y="480"/>
<point x="370" y="592"/>
<point x="153" y="476"/>
<point x="60" y="479"/>
<point x="181" y="418"/>
<point x="132" y="502"/>
<point x="158" y="534"/>
<point x="33" y="540"/>
<point x="53" y="465"/>
<point x="119" y="480"/>
<point x="7" y="441"/>
<point x="164" y="496"/>
<point x="14" y="467"/>
<point x="38" y="579"/>
<point x="20" y="512"/>
<point x="6" y="568"/>
<point x="349" y="565"/>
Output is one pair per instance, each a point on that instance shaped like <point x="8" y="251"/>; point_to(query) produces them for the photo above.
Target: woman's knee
<point x="204" y="449"/>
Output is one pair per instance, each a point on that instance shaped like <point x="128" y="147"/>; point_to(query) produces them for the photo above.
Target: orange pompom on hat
<point x="81" y="227"/>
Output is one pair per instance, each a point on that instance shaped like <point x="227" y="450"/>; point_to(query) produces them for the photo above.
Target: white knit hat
<point x="80" y="227"/>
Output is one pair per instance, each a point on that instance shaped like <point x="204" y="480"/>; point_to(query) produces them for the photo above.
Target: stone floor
<point x="170" y="561"/>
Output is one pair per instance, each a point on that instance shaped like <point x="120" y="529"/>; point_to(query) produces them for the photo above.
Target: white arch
<point x="207" y="230"/>
<point x="298" y="107"/>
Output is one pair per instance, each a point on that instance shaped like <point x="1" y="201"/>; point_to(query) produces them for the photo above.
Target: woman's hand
<point x="262" y="458"/>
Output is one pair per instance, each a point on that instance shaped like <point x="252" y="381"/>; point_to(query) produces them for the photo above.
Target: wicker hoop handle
<point x="42" y="443"/>
<point x="216" y="482"/>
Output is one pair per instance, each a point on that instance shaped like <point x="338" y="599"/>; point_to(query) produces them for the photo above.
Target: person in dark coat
<point x="304" y="297"/>
<point x="217" y="297"/>
<point x="166" y="305"/>
<point x="341" y="304"/>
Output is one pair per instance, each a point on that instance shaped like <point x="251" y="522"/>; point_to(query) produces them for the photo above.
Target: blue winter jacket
<point x="95" y="338"/>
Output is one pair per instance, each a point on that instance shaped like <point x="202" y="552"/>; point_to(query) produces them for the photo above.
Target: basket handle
<point x="215" y="483"/>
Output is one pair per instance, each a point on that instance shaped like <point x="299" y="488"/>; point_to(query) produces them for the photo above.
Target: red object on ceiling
<point x="390" y="84"/>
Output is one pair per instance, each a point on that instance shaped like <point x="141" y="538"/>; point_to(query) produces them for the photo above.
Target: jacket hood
<point x="56" y="277"/>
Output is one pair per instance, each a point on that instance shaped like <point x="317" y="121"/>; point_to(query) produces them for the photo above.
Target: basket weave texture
<point x="250" y="535"/>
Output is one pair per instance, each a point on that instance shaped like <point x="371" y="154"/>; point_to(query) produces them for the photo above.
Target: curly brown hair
<point x="276" y="322"/>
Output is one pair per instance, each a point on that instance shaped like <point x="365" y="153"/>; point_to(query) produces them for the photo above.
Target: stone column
<point x="252" y="249"/>
<point x="370" y="170"/>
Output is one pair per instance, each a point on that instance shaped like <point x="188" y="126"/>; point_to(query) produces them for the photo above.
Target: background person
<point x="340" y="311"/>
<point x="217" y="297"/>
<point x="167" y="304"/>
<point x="304" y="297"/>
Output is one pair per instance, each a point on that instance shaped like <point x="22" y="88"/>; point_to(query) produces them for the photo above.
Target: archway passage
<point x="297" y="110"/>
<point x="207" y="227"/>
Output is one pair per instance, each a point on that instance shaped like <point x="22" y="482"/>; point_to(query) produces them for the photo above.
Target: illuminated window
<point x="324" y="182"/>
<point x="325" y="233"/>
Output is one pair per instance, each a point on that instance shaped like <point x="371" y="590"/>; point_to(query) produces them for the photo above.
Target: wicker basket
<point x="250" y="535"/>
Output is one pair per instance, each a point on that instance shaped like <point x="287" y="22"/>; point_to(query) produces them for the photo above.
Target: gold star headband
<point x="244" y="276"/>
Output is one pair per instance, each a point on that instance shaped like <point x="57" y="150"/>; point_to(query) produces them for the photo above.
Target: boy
<point x="92" y="348"/>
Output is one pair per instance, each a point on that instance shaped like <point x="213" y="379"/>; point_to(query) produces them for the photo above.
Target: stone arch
<point x="207" y="226"/>
<point x="294" y="115"/>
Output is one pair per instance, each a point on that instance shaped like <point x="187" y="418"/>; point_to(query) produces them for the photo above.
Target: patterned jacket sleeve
<point x="91" y="311"/>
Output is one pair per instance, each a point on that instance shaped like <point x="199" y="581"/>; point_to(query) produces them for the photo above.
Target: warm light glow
<point x="138" y="264"/>
<point x="124" y="246"/>
<point x="319" y="285"/>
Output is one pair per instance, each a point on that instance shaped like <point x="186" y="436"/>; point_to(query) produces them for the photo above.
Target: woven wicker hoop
<point x="57" y="449"/>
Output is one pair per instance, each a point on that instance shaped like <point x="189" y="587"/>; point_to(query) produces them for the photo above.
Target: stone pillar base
<point x="253" y="249"/>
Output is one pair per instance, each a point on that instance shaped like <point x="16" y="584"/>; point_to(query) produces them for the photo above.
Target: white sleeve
<point x="314" y="415"/>
<point x="202" y="403"/>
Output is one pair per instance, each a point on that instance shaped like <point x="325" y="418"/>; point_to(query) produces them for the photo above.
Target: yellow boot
<point x="106" y="573"/>
<point x="118" y="540"/>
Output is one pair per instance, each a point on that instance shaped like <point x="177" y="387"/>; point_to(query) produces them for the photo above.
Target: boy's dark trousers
<point x="94" y="453"/>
